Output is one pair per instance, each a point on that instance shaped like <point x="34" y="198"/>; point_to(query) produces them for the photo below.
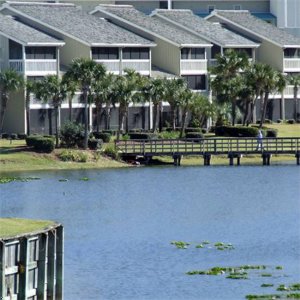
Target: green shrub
<point x="95" y="144"/>
<point x="76" y="156"/>
<point x="193" y="129"/>
<point x="111" y="132"/>
<point x="22" y="136"/>
<point x="271" y="133"/>
<point x="13" y="136"/>
<point x="44" y="145"/>
<point x="279" y="121"/>
<point x="72" y="134"/>
<point x="136" y="130"/>
<point x="194" y="135"/>
<point x="236" y="131"/>
<point x="105" y="137"/>
<point x="166" y="135"/>
<point x="291" y="121"/>
<point x="298" y="121"/>
<point x="5" y="135"/>
<point x="268" y="121"/>
<point x="111" y="151"/>
<point x="125" y="137"/>
<point x="31" y="140"/>
<point x="142" y="136"/>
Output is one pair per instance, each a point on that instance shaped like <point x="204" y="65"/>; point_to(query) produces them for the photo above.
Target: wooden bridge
<point x="232" y="147"/>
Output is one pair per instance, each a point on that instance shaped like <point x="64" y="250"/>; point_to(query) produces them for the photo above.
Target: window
<point x="196" y="82"/>
<point x="211" y="8"/>
<point x="237" y="7"/>
<point x="136" y="53"/>
<point x="247" y="51"/>
<point x="292" y="53"/>
<point x="15" y="50"/>
<point x="40" y="52"/>
<point x="163" y="4"/>
<point x="215" y="50"/>
<point x="105" y="53"/>
<point x="192" y="53"/>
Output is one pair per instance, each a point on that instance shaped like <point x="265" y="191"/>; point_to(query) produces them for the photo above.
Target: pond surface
<point x="119" y="225"/>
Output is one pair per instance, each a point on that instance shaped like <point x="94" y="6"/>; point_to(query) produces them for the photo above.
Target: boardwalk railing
<point x="214" y="146"/>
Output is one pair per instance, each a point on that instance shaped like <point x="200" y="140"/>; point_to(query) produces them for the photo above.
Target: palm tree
<point x="295" y="81"/>
<point x="85" y="72"/>
<point x="173" y="89"/>
<point x="273" y="82"/>
<point x="186" y="99"/>
<point x="102" y="95"/>
<point x="29" y="89"/>
<point x="153" y="91"/>
<point x="10" y="81"/>
<point x="71" y="88"/>
<point x="228" y="83"/>
<point x="51" y="89"/>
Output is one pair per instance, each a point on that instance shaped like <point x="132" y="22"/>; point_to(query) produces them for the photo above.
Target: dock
<point x="233" y="148"/>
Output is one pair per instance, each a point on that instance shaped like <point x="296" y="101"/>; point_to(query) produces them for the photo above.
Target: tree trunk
<point x="27" y="108"/>
<point x="155" y="110"/>
<point x="266" y="98"/>
<point x="173" y="118"/>
<point x="233" y="111"/>
<point x="3" y="109"/>
<point x="86" y="117"/>
<point x="98" y="114"/>
<point x="184" y="117"/>
<point x="56" y="127"/>
<point x="161" y="109"/>
<point x="295" y="103"/>
<point x="127" y="120"/>
<point x="70" y="108"/>
<point x="107" y="116"/>
<point x="253" y="110"/>
<point x="121" y="120"/>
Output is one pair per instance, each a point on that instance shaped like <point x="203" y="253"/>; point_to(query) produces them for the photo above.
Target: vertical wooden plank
<point x="23" y="269"/>
<point x="59" y="262"/>
<point x="51" y="267"/>
<point x="42" y="266"/>
<point x="2" y="270"/>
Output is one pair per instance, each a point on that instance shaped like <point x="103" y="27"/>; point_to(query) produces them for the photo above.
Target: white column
<point x="169" y="4"/>
<point x="150" y="116"/>
<point x="57" y="62"/>
<point x="121" y="61"/>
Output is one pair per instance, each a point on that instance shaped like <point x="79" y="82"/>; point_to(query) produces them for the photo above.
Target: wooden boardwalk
<point x="232" y="147"/>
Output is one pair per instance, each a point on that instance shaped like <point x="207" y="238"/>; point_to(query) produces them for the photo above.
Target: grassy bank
<point x="15" y="156"/>
<point x="12" y="227"/>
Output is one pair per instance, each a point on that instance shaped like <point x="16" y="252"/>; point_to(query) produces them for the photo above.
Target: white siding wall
<point x="271" y="54"/>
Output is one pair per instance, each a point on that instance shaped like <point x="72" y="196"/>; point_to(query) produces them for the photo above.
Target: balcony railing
<point x="289" y="91"/>
<point x="291" y="64"/>
<point x="139" y="65"/>
<point x="111" y="65"/>
<point x="192" y="66"/>
<point x="34" y="66"/>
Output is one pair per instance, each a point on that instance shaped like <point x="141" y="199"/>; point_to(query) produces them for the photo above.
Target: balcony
<point x="193" y="66"/>
<point x="34" y="67"/>
<point x="111" y="65"/>
<point x="140" y="65"/>
<point x="291" y="64"/>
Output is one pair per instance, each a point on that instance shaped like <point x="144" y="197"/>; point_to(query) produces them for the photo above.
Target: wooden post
<point x="2" y="270"/>
<point x="266" y="159"/>
<point x="298" y="158"/>
<point x="59" y="262"/>
<point x="231" y="159"/>
<point x="23" y="268"/>
<point x="42" y="266"/>
<point x="238" y="160"/>
<point x="206" y="158"/>
<point x="51" y="265"/>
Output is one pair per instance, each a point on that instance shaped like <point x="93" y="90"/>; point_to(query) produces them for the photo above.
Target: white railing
<point x="16" y="64"/>
<point x="40" y="65"/>
<point x="289" y="91"/>
<point x="111" y="65"/>
<point x="212" y="62"/>
<point x="291" y="64"/>
<point x="193" y="65"/>
<point x="139" y="65"/>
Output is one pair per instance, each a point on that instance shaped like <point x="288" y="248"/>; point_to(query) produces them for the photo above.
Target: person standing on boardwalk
<point x="259" y="141"/>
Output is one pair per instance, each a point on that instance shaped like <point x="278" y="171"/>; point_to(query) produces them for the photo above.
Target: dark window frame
<point x="105" y="53"/>
<point x="196" y="82"/>
<point x="292" y="53"/>
<point x="192" y="53"/>
<point x="32" y="52"/>
<point x="136" y="53"/>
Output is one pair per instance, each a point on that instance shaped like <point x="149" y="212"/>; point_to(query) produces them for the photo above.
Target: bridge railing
<point x="209" y="145"/>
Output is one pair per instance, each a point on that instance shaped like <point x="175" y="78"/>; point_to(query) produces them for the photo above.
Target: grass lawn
<point x="12" y="227"/>
<point x="14" y="156"/>
<point x="286" y="130"/>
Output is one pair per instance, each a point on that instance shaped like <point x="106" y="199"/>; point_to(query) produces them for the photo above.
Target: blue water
<point x="119" y="225"/>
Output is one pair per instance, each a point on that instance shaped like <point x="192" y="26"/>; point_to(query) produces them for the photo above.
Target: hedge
<point x="104" y="136"/>
<point x="143" y="136"/>
<point x="194" y="135"/>
<point x="271" y="133"/>
<point x="95" y="144"/>
<point x="236" y="131"/>
<point x="41" y="143"/>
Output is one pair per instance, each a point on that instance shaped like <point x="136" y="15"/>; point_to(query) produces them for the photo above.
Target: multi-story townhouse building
<point x="86" y="36"/>
<point x="178" y="51"/>
<point x="278" y="48"/>
<point x="30" y="52"/>
<point x="221" y="38"/>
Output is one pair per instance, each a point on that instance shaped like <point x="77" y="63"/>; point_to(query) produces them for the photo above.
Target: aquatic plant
<point x="10" y="179"/>
<point x="267" y="285"/>
<point x="266" y="275"/>
<point x="84" y="179"/>
<point x="180" y="244"/>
